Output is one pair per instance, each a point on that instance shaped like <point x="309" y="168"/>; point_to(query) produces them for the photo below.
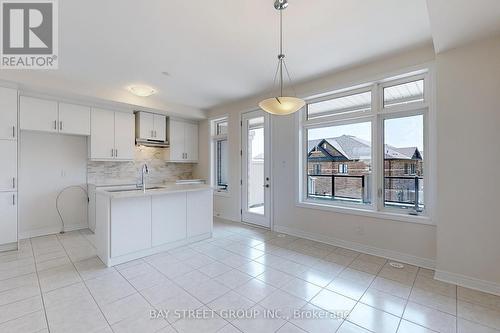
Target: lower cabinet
<point x="199" y="213"/>
<point x="8" y="217"/>
<point x="130" y="225"/>
<point x="168" y="218"/>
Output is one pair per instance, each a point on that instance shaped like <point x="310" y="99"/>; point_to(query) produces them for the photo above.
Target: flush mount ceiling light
<point x="281" y="105"/>
<point x="142" y="91"/>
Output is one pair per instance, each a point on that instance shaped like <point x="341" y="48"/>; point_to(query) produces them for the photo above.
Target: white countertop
<point x="131" y="191"/>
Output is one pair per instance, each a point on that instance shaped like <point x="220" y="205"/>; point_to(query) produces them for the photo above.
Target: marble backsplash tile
<point x="109" y="173"/>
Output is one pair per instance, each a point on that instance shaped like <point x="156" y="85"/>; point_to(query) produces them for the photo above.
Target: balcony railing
<point x="399" y="191"/>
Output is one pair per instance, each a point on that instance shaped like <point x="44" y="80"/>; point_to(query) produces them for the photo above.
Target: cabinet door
<point x="160" y="128"/>
<point x="199" y="213"/>
<point x="38" y="114"/>
<point x="74" y="119"/>
<point x="8" y="165"/>
<point x="146" y="125"/>
<point x="8" y="114"/>
<point x="124" y="136"/>
<point x="176" y="132"/>
<point x="102" y="134"/>
<point x="168" y="218"/>
<point x="130" y="225"/>
<point x="191" y="142"/>
<point x="8" y="217"/>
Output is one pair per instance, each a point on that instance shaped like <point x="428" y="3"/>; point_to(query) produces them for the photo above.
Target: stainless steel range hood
<point x="151" y="129"/>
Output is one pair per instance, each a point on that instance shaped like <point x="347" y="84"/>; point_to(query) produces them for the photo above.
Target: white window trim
<point x="377" y="208"/>
<point x="213" y="159"/>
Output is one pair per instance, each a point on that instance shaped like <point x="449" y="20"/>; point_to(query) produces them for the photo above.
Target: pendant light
<point x="281" y="105"/>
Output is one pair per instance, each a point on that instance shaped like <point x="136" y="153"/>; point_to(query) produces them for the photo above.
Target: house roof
<point x="354" y="148"/>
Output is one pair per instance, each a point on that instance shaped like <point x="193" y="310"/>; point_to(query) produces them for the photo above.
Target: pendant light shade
<point x="281" y="105"/>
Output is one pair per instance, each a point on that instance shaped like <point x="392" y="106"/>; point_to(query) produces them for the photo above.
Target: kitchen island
<point x="132" y="223"/>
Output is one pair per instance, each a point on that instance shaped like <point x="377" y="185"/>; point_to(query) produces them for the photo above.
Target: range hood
<point x="151" y="129"/>
<point x="151" y="143"/>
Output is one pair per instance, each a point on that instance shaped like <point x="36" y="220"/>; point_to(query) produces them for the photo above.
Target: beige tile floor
<point x="57" y="284"/>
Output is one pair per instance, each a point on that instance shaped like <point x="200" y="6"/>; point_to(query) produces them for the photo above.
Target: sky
<point x="399" y="132"/>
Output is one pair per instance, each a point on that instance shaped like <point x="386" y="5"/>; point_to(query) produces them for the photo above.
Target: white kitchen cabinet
<point x="199" y="213"/>
<point x="168" y="218"/>
<point x="111" y="135"/>
<point x="74" y="119"/>
<point x="183" y="141"/>
<point x="160" y="127"/>
<point x="8" y="165"/>
<point x="151" y="126"/>
<point x="8" y="217"/>
<point x="38" y="114"/>
<point x="8" y="114"/>
<point x="102" y="134"/>
<point x="124" y="136"/>
<point x="130" y="225"/>
<point x="191" y="142"/>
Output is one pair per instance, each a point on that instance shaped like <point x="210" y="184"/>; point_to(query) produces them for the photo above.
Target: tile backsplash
<point x="109" y="173"/>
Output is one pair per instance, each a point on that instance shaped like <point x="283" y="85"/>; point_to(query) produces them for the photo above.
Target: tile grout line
<point x="40" y="287"/>
<point x="83" y="281"/>
<point x="408" y="300"/>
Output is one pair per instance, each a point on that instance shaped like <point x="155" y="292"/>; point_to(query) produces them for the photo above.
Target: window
<point x="220" y="154"/>
<point x="342" y="146"/>
<point x="343" y="168"/>
<point x="340" y="105"/>
<point x="364" y="154"/>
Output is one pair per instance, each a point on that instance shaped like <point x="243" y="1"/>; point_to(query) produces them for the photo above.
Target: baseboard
<point x="226" y="217"/>
<point x="468" y="282"/>
<point x="8" y="247"/>
<point x="50" y="230"/>
<point x="389" y="254"/>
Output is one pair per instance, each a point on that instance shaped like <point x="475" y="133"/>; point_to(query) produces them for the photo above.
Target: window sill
<point x="222" y="193"/>
<point x="421" y="219"/>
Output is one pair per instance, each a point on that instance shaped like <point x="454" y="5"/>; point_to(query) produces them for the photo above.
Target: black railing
<point x="406" y="193"/>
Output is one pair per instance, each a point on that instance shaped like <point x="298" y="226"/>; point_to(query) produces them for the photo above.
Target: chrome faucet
<point x="144" y="171"/>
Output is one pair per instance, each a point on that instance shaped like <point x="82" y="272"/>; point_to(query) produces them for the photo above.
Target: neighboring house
<point x="346" y="161"/>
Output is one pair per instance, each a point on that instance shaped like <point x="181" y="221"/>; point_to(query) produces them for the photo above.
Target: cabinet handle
<point x="14" y="182"/>
<point x="152" y="134"/>
<point x="13" y="199"/>
<point x="60" y="125"/>
<point x="116" y="152"/>
<point x="13" y="131"/>
<point x="55" y="125"/>
<point x="112" y="153"/>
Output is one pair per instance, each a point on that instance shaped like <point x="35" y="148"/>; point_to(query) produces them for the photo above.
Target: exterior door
<point x="256" y="178"/>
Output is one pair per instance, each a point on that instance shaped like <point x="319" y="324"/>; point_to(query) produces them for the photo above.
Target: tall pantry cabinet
<point x="8" y="168"/>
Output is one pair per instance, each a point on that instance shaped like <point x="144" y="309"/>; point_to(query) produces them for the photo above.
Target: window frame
<point x="214" y="141"/>
<point x="376" y="115"/>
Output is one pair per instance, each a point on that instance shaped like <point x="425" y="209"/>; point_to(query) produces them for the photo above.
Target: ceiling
<point x="219" y="51"/>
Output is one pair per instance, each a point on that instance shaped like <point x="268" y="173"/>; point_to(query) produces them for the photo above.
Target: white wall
<point x="468" y="100"/>
<point x="47" y="164"/>
<point x="407" y="241"/>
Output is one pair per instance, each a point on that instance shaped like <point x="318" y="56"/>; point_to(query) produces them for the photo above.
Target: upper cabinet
<point x="150" y="126"/>
<point x="38" y="114"/>
<point x="8" y="114"/>
<point x="50" y="116"/>
<point x="74" y="119"/>
<point x="112" y="135"/>
<point x="183" y="140"/>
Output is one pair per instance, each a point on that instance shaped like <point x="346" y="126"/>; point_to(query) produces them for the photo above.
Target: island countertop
<point x="132" y="191"/>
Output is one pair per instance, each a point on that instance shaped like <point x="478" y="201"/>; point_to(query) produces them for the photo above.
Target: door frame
<point x="267" y="165"/>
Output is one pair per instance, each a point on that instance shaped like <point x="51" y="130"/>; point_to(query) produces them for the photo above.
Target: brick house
<point x="346" y="161"/>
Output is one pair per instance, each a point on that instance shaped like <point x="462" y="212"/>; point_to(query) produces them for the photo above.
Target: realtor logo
<point x="29" y="34"/>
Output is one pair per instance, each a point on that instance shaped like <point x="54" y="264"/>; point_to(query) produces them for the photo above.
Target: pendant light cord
<point x="281" y="56"/>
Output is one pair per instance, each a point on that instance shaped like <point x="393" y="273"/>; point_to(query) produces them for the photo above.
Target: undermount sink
<point x="136" y="189"/>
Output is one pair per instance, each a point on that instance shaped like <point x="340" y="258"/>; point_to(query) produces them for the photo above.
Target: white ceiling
<point x="219" y="51"/>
